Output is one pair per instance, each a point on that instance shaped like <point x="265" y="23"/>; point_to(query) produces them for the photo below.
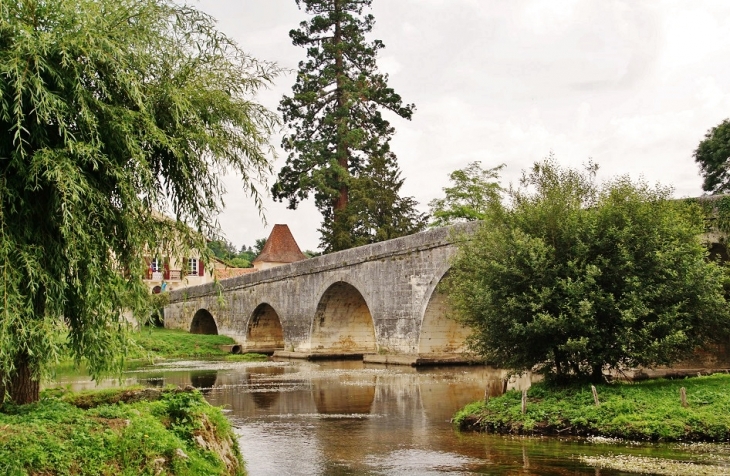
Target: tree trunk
<point x="342" y="147"/>
<point x="341" y="231"/>
<point x="22" y="388"/>
<point x="597" y="373"/>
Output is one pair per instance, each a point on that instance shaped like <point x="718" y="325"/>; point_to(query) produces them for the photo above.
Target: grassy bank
<point x="649" y="410"/>
<point x="159" y="343"/>
<point x="117" y="432"/>
<point x="154" y="343"/>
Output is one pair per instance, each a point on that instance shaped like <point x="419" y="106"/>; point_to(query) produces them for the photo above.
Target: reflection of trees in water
<point x="154" y="381"/>
<point x="260" y="383"/>
<point x="264" y="400"/>
<point x="536" y="456"/>
<point x="204" y="380"/>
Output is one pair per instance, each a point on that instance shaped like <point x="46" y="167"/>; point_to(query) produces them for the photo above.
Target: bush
<point x="573" y="278"/>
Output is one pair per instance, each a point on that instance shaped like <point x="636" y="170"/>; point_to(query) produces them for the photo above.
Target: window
<point x="156" y="265"/>
<point x="193" y="266"/>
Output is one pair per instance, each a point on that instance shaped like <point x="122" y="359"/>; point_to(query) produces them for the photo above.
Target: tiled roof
<point x="280" y="247"/>
<point x="225" y="273"/>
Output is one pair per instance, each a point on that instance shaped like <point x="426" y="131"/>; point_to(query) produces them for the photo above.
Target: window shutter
<point x="166" y="269"/>
<point x="148" y="274"/>
<point x="185" y="267"/>
<point x="201" y="268"/>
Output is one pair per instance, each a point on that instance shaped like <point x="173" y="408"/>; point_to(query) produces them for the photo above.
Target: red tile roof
<point x="225" y="273"/>
<point x="280" y="247"/>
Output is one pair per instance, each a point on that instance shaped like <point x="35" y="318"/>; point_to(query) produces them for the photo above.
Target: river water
<point x="350" y="418"/>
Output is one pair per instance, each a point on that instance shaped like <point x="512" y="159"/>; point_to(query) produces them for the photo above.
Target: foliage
<point x="715" y="210"/>
<point x="225" y="251"/>
<point x="649" y="410"/>
<point x="473" y="193"/>
<point x="110" y="110"/>
<point x="154" y="343"/>
<point x="375" y="211"/>
<point x="575" y="278"/>
<point x="334" y="115"/>
<point x="222" y="249"/>
<point x="54" y="436"/>
<point x="713" y="156"/>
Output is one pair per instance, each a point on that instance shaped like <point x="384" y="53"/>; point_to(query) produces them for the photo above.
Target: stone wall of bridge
<point x="380" y="298"/>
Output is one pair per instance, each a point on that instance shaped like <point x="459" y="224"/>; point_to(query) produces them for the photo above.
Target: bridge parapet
<point x="379" y="298"/>
<point x="433" y="238"/>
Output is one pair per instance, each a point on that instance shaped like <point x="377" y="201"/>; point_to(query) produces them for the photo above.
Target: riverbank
<point x="160" y="343"/>
<point x="152" y="344"/>
<point x="120" y="432"/>
<point x="647" y="411"/>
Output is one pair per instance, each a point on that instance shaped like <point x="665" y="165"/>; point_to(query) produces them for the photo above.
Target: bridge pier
<point x="379" y="303"/>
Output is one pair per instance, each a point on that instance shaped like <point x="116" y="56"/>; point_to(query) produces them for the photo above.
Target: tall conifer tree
<point x="334" y="114"/>
<point x="376" y="211"/>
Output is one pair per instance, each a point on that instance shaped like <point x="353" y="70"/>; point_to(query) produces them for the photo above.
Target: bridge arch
<point x="342" y="321"/>
<point x="264" y="331"/>
<point x="440" y="334"/>
<point x="203" y="323"/>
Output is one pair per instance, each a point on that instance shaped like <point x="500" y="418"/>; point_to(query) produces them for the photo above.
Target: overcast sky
<point x="632" y="84"/>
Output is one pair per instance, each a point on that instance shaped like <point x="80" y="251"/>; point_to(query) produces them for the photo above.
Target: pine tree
<point x="334" y="114"/>
<point x="376" y="212"/>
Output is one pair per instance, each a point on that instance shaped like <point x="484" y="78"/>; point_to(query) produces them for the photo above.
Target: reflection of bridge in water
<point x="334" y="410"/>
<point x="379" y="300"/>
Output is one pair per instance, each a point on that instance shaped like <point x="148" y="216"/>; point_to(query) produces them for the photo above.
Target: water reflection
<point x="264" y="386"/>
<point x="204" y="380"/>
<point x="341" y="418"/>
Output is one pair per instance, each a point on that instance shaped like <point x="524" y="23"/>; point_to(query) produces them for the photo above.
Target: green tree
<point x="258" y="246"/>
<point x="222" y="249"/>
<point x="109" y="110"/>
<point x="574" y="278"/>
<point x="473" y="193"/>
<point x="225" y="251"/>
<point x="376" y="211"/>
<point x="713" y="156"/>
<point x="334" y="114"/>
<point x="239" y="262"/>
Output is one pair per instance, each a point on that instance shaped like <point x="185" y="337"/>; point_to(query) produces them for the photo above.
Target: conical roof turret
<point x="280" y="247"/>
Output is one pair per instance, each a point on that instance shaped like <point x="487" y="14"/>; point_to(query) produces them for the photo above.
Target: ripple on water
<point x="207" y="365"/>
<point x="281" y="448"/>
<point x="419" y="462"/>
<point x="328" y="416"/>
<point x="656" y="466"/>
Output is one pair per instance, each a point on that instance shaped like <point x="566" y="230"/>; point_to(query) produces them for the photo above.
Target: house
<point x="280" y="248"/>
<point x="167" y="274"/>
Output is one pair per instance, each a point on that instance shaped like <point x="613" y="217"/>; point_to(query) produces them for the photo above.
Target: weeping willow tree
<point x="109" y="110"/>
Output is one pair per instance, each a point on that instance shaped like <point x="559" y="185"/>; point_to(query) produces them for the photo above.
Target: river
<point x="350" y="418"/>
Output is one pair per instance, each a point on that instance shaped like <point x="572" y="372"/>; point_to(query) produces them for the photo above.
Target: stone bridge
<point x="380" y="301"/>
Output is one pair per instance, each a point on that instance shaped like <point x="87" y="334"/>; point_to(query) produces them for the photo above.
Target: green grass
<point x="95" y="433"/>
<point x="154" y="343"/>
<point x="649" y="410"/>
<point x="172" y="343"/>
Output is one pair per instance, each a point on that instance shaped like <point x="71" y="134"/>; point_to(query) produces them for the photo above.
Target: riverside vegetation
<point x="118" y="431"/>
<point x="649" y="410"/>
<point x="154" y="343"/>
<point x="125" y="431"/>
<point x="159" y="343"/>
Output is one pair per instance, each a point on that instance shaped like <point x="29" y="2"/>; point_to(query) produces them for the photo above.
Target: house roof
<point x="280" y="247"/>
<point x="226" y="273"/>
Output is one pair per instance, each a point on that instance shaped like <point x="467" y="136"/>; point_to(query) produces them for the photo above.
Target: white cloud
<point x="633" y="84"/>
